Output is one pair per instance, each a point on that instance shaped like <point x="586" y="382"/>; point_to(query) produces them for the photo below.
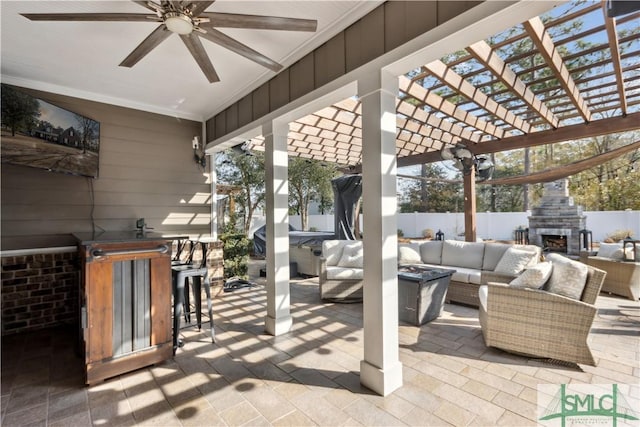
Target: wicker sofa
<point x="623" y="277"/>
<point x="541" y="322"/>
<point x="475" y="263"/>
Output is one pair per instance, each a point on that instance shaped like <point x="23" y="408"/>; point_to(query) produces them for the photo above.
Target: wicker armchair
<point x="339" y="284"/>
<point x="623" y="277"/>
<point x="541" y="324"/>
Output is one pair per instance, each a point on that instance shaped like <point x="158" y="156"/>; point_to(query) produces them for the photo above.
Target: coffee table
<point x="421" y="293"/>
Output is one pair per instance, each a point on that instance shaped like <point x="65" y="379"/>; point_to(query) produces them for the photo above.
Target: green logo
<point x="585" y="404"/>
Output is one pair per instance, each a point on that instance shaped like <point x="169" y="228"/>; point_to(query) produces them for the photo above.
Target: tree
<point x="614" y="185"/>
<point x="246" y="171"/>
<point x="89" y="130"/>
<point x="309" y="181"/>
<point x="504" y="198"/>
<point x="441" y="196"/>
<point x="19" y="111"/>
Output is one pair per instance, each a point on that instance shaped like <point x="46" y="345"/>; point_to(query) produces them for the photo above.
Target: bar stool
<point x="188" y="247"/>
<point x="180" y="275"/>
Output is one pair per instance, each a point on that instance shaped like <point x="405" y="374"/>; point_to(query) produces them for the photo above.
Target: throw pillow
<point x="568" y="276"/>
<point x="610" y="250"/>
<point x="409" y="253"/>
<point x="534" y="277"/>
<point x="514" y="261"/>
<point x="352" y="256"/>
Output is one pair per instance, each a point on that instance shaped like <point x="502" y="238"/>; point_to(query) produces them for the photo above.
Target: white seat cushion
<point x="475" y="277"/>
<point x="492" y="254"/>
<point x="483" y="294"/>
<point x="342" y="273"/>
<point x="463" y="254"/>
<point x="431" y="252"/>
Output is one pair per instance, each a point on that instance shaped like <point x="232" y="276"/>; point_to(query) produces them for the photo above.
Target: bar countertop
<point x="88" y="238"/>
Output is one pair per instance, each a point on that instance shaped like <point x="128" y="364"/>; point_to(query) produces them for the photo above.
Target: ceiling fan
<point x="465" y="160"/>
<point x="189" y="20"/>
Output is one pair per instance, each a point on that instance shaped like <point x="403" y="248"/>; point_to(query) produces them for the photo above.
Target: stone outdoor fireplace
<point x="555" y="225"/>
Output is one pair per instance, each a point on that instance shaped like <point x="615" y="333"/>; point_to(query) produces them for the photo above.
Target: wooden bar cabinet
<point x="125" y="302"/>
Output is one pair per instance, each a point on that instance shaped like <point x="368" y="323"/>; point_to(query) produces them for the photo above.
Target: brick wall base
<point x="39" y="291"/>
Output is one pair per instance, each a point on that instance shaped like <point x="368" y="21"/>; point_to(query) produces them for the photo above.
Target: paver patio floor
<point x="310" y="375"/>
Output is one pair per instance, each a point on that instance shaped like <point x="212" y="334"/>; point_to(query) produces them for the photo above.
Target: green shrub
<point x="235" y="252"/>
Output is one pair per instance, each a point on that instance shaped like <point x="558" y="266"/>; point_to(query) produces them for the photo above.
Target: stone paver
<point x="309" y="376"/>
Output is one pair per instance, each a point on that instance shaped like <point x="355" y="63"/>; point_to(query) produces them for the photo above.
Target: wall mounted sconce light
<point x="464" y="160"/>
<point x="198" y="152"/>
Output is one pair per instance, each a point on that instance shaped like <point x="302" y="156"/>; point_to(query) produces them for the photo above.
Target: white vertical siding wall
<point x="146" y="170"/>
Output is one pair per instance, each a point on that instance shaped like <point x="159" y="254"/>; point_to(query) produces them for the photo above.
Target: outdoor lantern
<point x="587" y="239"/>
<point x="631" y="255"/>
<point x="522" y="236"/>
<point x="439" y="235"/>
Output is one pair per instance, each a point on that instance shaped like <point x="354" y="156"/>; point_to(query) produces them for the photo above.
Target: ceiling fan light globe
<point x="178" y="23"/>
<point x="484" y="163"/>
<point x="463" y="153"/>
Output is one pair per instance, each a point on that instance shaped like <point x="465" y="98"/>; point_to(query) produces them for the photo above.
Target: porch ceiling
<point x="569" y="74"/>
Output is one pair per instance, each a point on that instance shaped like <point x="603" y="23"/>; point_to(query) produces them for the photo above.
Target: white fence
<point x="490" y="225"/>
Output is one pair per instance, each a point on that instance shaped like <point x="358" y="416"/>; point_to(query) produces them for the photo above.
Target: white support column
<point x="278" y="319"/>
<point x="381" y="370"/>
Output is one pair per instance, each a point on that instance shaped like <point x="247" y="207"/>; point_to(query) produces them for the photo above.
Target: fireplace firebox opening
<point x="554" y="243"/>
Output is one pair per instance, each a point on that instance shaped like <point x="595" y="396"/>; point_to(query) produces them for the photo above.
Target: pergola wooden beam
<point x="483" y="53"/>
<point x="614" y="50"/>
<point x="437" y="102"/>
<point x="626" y="123"/>
<point x="460" y="85"/>
<point x="565" y="170"/>
<point x="547" y="49"/>
<point x="564" y="133"/>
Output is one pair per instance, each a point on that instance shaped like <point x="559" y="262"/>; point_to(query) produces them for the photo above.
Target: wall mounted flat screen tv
<point x="41" y="135"/>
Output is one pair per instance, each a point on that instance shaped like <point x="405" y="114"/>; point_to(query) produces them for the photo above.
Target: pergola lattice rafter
<point x="542" y="39"/>
<point x="496" y="97"/>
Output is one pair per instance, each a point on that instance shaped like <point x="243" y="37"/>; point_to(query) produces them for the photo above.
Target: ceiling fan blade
<point x="200" y="6"/>
<point x="200" y="55"/>
<point x="234" y="20"/>
<point x="144" y="17"/>
<point x="233" y="45"/>
<point x="152" y="6"/>
<point x="147" y="45"/>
